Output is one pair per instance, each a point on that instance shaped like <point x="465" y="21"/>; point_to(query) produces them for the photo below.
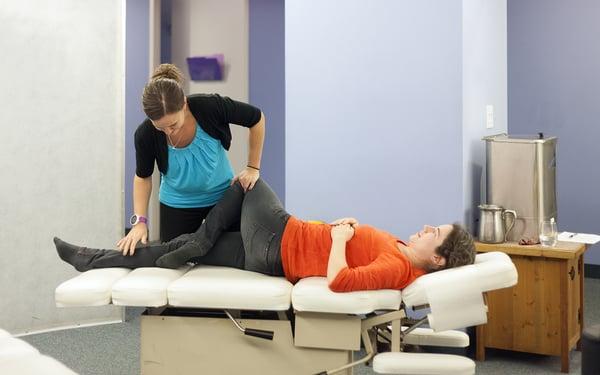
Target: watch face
<point x="133" y="220"/>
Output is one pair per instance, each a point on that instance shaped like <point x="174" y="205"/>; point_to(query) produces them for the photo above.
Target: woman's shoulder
<point x="204" y="99"/>
<point x="145" y="128"/>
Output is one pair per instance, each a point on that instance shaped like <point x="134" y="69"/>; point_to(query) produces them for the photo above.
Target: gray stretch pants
<point x="257" y="247"/>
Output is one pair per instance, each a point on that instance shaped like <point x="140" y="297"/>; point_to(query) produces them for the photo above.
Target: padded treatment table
<point x="209" y="319"/>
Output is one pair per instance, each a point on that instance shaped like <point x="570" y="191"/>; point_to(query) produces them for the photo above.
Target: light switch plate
<point x="489" y="116"/>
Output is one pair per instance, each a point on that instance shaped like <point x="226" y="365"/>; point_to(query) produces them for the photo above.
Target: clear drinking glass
<point x="548" y="232"/>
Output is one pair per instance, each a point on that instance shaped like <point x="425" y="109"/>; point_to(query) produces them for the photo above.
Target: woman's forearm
<point x="337" y="259"/>
<point x="256" y="141"/>
<point x="142" y="188"/>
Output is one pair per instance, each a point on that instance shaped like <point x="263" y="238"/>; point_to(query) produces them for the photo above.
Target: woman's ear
<point x="438" y="261"/>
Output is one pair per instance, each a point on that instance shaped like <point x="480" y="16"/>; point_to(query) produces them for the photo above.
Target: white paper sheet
<point x="578" y="237"/>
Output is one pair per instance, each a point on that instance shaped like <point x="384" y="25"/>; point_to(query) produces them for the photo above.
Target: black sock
<point x="179" y="257"/>
<point x="68" y="252"/>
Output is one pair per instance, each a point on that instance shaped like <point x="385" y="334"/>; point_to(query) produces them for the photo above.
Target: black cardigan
<point x="213" y="113"/>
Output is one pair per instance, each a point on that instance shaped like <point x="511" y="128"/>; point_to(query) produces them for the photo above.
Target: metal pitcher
<point x="492" y="223"/>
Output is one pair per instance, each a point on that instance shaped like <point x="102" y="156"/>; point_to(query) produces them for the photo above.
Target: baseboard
<point x="69" y="326"/>
<point x="592" y="271"/>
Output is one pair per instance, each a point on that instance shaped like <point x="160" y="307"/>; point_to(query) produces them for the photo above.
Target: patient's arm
<point x="340" y="234"/>
<point x="385" y="272"/>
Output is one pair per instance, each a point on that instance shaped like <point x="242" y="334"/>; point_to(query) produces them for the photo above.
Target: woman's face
<point x="427" y="240"/>
<point x="170" y="124"/>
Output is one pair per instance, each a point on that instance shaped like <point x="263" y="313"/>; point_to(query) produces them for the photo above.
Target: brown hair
<point x="163" y="95"/>
<point x="458" y="248"/>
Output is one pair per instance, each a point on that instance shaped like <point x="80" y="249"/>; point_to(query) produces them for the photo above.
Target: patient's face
<point x="425" y="241"/>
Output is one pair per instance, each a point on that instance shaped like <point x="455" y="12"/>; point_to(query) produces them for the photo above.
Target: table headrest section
<point x="91" y="288"/>
<point x="493" y="270"/>
<point x="313" y="294"/>
<point x="216" y="287"/>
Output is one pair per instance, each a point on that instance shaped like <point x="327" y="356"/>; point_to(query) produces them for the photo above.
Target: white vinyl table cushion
<point x="19" y="357"/>
<point x="422" y="364"/>
<point x="313" y="294"/>
<point x="3" y="333"/>
<point x="11" y="347"/>
<point x="91" y="288"/>
<point x="216" y="287"/>
<point x="34" y="365"/>
<point x="145" y="286"/>
<point x="428" y="337"/>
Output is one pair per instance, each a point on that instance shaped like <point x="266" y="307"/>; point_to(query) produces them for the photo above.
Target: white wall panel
<point x="61" y="158"/>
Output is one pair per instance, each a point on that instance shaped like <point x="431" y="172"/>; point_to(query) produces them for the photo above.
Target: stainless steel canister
<point x="521" y="175"/>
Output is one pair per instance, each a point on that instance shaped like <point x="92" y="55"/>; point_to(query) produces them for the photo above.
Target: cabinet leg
<point x="564" y="332"/>
<point x="564" y="362"/>
<point x="480" y="348"/>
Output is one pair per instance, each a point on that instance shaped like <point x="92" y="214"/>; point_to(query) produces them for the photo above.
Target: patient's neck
<point x="414" y="260"/>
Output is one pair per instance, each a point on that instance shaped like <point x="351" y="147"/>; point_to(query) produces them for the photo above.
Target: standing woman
<point x="187" y="137"/>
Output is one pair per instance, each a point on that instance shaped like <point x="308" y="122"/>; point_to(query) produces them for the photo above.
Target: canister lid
<point x="520" y="138"/>
<point x="490" y="207"/>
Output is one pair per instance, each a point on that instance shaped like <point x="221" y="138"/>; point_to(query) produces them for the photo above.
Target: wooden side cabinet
<point x="543" y="313"/>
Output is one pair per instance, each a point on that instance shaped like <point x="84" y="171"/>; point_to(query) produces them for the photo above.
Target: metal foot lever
<point x="262" y="334"/>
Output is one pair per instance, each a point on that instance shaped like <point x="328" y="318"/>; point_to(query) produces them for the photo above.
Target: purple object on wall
<point x="206" y="68"/>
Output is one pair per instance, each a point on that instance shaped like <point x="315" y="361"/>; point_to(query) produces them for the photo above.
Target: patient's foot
<point x="179" y="257"/>
<point x="77" y="256"/>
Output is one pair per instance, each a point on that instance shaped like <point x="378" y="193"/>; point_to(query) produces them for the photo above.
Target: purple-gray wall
<point x="136" y="75"/>
<point x="374" y="112"/>
<point x="166" y="11"/>
<point x="267" y="84"/>
<point x="554" y="87"/>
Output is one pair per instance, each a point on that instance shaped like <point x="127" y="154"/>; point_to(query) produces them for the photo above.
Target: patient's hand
<point x="346" y="220"/>
<point x="342" y="232"/>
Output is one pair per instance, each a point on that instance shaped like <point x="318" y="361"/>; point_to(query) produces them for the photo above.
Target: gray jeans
<point x="262" y="222"/>
<point x="257" y="247"/>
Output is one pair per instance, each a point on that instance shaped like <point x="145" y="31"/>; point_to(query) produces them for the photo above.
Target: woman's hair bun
<point x="168" y="71"/>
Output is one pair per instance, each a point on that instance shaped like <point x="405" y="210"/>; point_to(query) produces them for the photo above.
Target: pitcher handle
<point x="514" y="213"/>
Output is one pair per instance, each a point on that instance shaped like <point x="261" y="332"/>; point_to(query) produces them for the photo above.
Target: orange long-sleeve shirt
<point x="374" y="260"/>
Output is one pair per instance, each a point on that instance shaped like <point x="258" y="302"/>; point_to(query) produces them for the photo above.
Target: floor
<point x="114" y="349"/>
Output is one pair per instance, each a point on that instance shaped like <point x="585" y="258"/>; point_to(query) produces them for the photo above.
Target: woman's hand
<point x="138" y="233"/>
<point x="342" y="232"/>
<point x="247" y="178"/>
<point x="346" y="220"/>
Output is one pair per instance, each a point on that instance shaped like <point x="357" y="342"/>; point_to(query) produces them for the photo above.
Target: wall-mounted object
<point x="206" y="68"/>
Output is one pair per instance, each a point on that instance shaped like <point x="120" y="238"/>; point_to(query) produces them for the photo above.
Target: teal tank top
<point x="198" y="174"/>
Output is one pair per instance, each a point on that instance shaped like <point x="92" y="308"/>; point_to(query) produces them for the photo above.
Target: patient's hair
<point x="458" y="248"/>
<point x="163" y="95"/>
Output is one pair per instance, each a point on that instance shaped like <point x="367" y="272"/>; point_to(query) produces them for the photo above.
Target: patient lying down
<point x="271" y="241"/>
